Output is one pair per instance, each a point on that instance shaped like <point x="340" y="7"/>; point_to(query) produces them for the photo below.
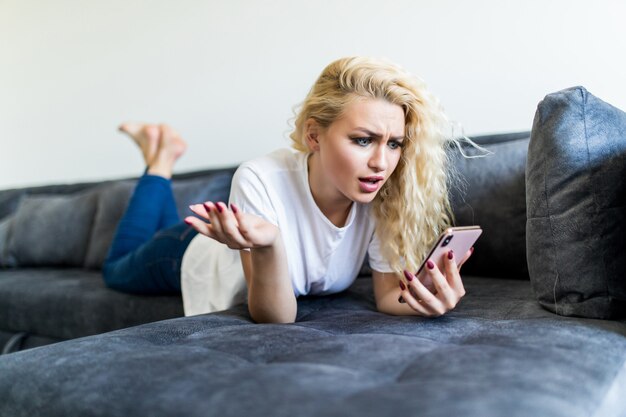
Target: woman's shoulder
<point x="283" y="159"/>
<point x="275" y="177"/>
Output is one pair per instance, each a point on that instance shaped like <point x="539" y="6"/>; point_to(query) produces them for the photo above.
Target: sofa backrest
<point x="74" y="224"/>
<point x="491" y="192"/>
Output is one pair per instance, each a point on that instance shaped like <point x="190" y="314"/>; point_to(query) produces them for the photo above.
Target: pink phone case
<point x="458" y="239"/>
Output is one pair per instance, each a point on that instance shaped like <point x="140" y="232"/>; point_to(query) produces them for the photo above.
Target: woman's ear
<point x="311" y="134"/>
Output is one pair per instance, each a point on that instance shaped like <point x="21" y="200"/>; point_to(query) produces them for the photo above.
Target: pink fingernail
<point x="187" y="221"/>
<point x="219" y="207"/>
<point x="234" y="208"/>
<point x="430" y="264"/>
<point x="450" y="254"/>
<point x="402" y="287"/>
<point x="472" y="249"/>
<point x="207" y="207"/>
<point x="408" y="275"/>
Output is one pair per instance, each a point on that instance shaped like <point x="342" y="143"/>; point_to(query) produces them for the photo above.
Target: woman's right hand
<point x="231" y="227"/>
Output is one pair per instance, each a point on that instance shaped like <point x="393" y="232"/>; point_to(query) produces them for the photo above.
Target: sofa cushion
<point x="66" y="303"/>
<point x="113" y="199"/>
<point x="490" y="192"/>
<point x="215" y="187"/>
<point x="9" y="200"/>
<point x="6" y="258"/>
<point x="497" y="354"/>
<point x="52" y="229"/>
<point x="576" y="196"/>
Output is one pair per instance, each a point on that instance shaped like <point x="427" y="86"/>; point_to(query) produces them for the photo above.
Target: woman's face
<point x="358" y="152"/>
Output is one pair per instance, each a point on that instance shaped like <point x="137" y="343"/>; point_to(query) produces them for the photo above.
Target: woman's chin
<point x="364" y="198"/>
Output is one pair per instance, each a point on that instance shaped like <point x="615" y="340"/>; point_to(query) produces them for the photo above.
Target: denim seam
<point x="184" y="235"/>
<point x="176" y="236"/>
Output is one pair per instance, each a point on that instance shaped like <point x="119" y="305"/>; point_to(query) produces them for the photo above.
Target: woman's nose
<point x="378" y="160"/>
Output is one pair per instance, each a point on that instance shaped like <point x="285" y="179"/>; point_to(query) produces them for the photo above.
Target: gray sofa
<point x="51" y="253"/>
<point x="498" y="353"/>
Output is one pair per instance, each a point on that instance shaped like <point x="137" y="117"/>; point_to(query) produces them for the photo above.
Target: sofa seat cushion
<point x="497" y="354"/>
<point x="69" y="303"/>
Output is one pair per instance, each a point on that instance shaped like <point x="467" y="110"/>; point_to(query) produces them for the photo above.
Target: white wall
<point x="226" y="74"/>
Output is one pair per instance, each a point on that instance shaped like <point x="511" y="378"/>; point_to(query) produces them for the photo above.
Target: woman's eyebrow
<point x="377" y="135"/>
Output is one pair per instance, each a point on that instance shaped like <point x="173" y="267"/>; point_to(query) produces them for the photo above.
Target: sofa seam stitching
<point x="594" y="193"/>
<point x="549" y="216"/>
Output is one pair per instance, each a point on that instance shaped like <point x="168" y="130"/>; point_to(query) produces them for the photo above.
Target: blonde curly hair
<point x="412" y="208"/>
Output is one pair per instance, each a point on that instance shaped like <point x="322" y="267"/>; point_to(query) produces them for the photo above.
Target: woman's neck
<point x="334" y="205"/>
<point x="337" y="215"/>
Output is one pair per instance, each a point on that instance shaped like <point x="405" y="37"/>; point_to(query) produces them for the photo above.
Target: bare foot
<point x="171" y="147"/>
<point x="145" y="136"/>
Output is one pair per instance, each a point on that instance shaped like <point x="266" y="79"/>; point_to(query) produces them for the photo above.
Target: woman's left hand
<point x="448" y="288"/>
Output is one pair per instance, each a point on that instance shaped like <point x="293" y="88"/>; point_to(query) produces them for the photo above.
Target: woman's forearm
<point x="387" y="292"/>
<point x="390" y="305"/>
<point x="270" y="293"/>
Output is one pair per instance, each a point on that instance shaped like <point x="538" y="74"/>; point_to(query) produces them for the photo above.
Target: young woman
<point x="368" y="176"/>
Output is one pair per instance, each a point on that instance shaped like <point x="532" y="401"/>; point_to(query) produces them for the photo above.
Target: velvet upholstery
<point x="68" y="303"/>
<point x="499" y="353"/>
<point x="113" y="199"/>
<point x="491" y="182"/>
<point x="55" y="298"/>
<point x="52" y="229"/>
<point x="490" y="191"/>
<point x="576" y="196"/>
<point x="6" y="258"/>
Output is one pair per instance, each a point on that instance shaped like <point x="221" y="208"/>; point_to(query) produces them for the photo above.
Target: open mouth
<point x="371" y="180"/>
<point x="370" y="184"/>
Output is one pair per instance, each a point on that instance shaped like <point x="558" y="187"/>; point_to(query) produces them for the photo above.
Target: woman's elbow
<point x="264" y="317"/>
<point x="382" y="307"/>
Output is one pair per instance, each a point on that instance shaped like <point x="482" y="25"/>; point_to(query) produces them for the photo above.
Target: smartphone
<point x="458" y="239"/>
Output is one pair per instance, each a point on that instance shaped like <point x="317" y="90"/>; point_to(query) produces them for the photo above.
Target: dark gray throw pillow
<point x="576" y="197"/>
<point x="52" y="229"/>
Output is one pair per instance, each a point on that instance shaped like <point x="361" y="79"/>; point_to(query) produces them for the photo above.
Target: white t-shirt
<point x="322" y="258"/>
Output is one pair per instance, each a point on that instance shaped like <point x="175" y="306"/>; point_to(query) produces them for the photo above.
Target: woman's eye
<point x="395" y="144"/>
<point x="362" y="141"/>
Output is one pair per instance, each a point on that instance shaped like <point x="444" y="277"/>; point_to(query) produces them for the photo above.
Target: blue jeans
<point x="147" y="250"/>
